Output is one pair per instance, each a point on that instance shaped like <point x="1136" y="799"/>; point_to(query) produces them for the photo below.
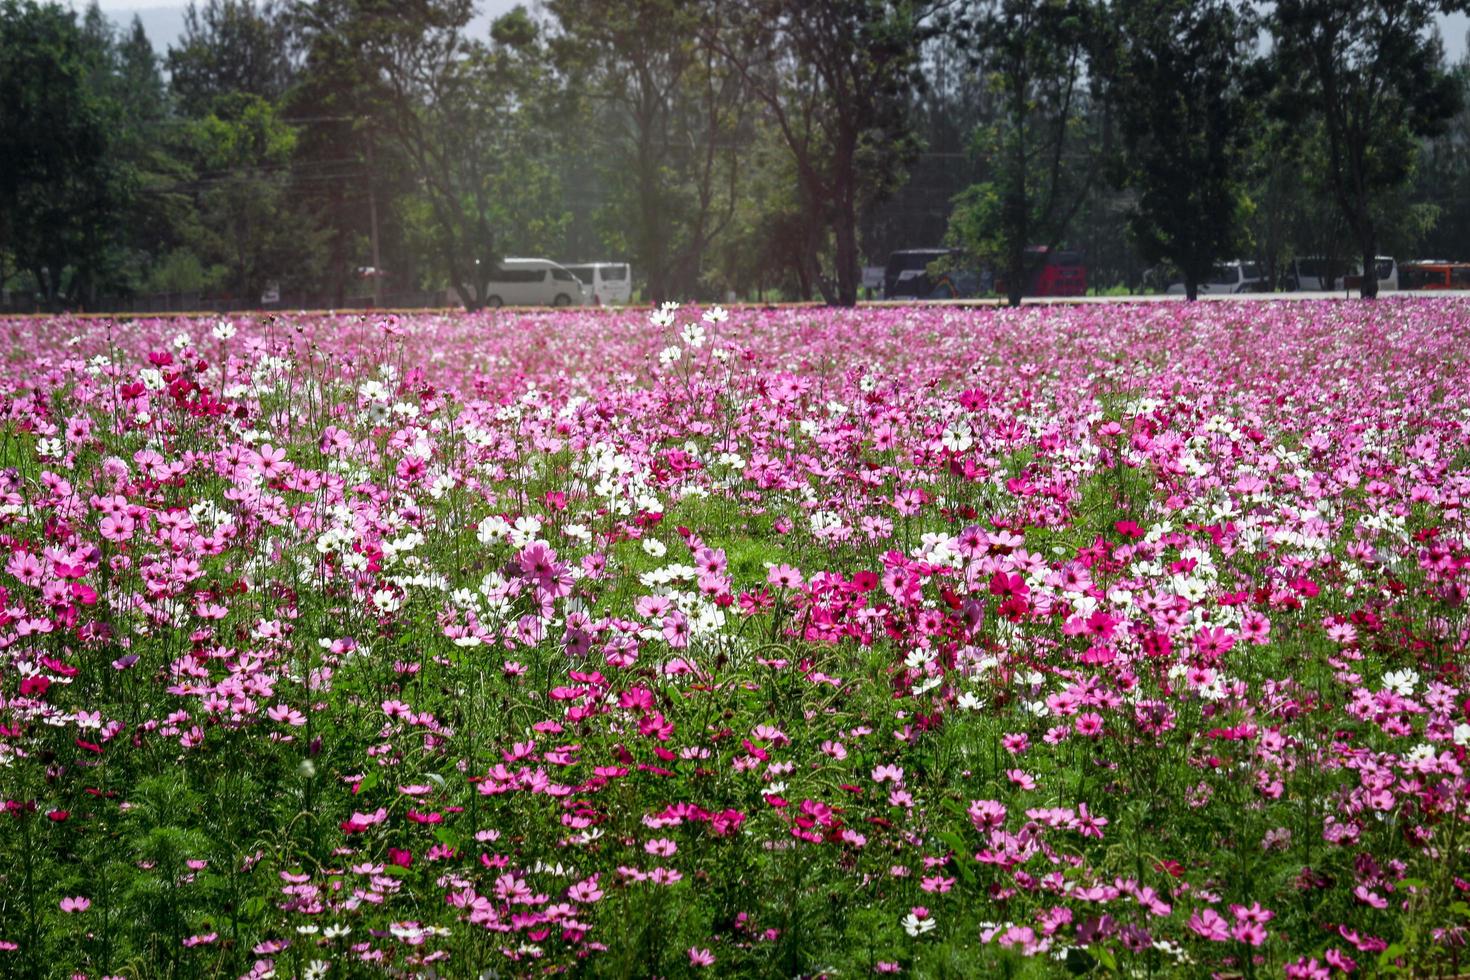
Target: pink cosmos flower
<point x="270" y="461"/>
<point x="1210" y="924"/>
<point x="888" y="773"/>
<point x="785" y="577"/>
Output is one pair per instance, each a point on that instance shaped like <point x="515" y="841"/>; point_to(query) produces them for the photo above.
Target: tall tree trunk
<point x="847" y="255"/>
<point x="1368" y="285"/>
<point x="824" y="285"/>
<point x="472" y="303"/>
<point x="650" y="210"/>
<point x="803" y="279"/>
<point x="1015" y="273"/>
<point x="1191" y="288"/>
<point x="844" y="225"/>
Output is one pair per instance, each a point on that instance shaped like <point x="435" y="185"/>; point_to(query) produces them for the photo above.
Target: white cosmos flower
<point x="1401" y="682"/>
<point x="915" y="926"/>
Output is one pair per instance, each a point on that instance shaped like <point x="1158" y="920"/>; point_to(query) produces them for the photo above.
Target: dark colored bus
<point x="906" y="274"/>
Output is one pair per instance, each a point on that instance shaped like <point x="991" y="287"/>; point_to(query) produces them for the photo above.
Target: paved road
<point x="1158" y="298"/>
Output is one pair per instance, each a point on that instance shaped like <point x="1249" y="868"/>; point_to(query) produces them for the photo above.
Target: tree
<point x="231" y="47"/>
<point x="246" y="228"/>
<point x="1279" y="188"/>
<point x="954" y="101"/>
<point x="1043" y="150"/>
<point x="1182" y="99"/>
<point x="667" y="113"/>
<point x="1442" y="180"/>
<point x="834" y="75"/>
<point x="60" y="191"/>
<point x="145" y="150"/>
<point x="477" y="125"/>
<point x="1373" y="71"/>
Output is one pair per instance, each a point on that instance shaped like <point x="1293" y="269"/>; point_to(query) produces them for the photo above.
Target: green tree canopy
<point x="60" y="185"/>
<point x="1043" y="147"/>
<point x="1185" y="115"/>
<point x="1373" y="72"/>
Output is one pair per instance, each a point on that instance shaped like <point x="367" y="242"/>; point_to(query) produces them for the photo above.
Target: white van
<point x="532" y="282"/>
<point x="1315" y="274"/>
<point x="607" y="283"/>
<point x="1227" y="277"/>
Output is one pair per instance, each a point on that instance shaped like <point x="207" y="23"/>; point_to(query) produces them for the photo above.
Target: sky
<point x="165" y="21"/>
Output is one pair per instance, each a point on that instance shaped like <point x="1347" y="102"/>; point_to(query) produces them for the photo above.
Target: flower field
<point x="942" y="643"/>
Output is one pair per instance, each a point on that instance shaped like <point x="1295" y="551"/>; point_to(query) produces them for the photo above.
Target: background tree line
<point x="344" y="149"/>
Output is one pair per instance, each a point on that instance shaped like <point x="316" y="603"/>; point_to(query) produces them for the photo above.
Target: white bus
<point x="608" y="283"/>
<point x="1315" y="274"/>
<point x="532" y="282"/>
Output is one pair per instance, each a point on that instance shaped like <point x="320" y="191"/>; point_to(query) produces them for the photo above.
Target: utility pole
<point x="373" y="224"/>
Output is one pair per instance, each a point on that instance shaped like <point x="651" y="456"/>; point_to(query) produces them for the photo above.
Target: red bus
<point x="1062" y="273"/>
<point x="1434" y="275"/>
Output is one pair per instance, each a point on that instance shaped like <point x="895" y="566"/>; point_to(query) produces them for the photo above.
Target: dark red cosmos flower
<point x="1174" y="868"/>
<point x="1128" y="529"/>
<point x="1008" y="586"/>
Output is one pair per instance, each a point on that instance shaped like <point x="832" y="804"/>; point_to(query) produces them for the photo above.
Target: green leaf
<point x="957" y="844"/>
<point x="1079" y="962"/>
<point x="1393" y="952"/>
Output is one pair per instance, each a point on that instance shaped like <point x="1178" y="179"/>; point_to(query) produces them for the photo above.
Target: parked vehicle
<point x="1313" y="273"/>
<point x="1434" y="274"/>
<point x="906" y="275"/>
<point x="607" y="283"/>
<point x="958" y="284"/>
<point x="1062" y="273"/>
<point x="1225" y="278"/>
<point x="533" y="282"/>
<point x="1384" y="267"/>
